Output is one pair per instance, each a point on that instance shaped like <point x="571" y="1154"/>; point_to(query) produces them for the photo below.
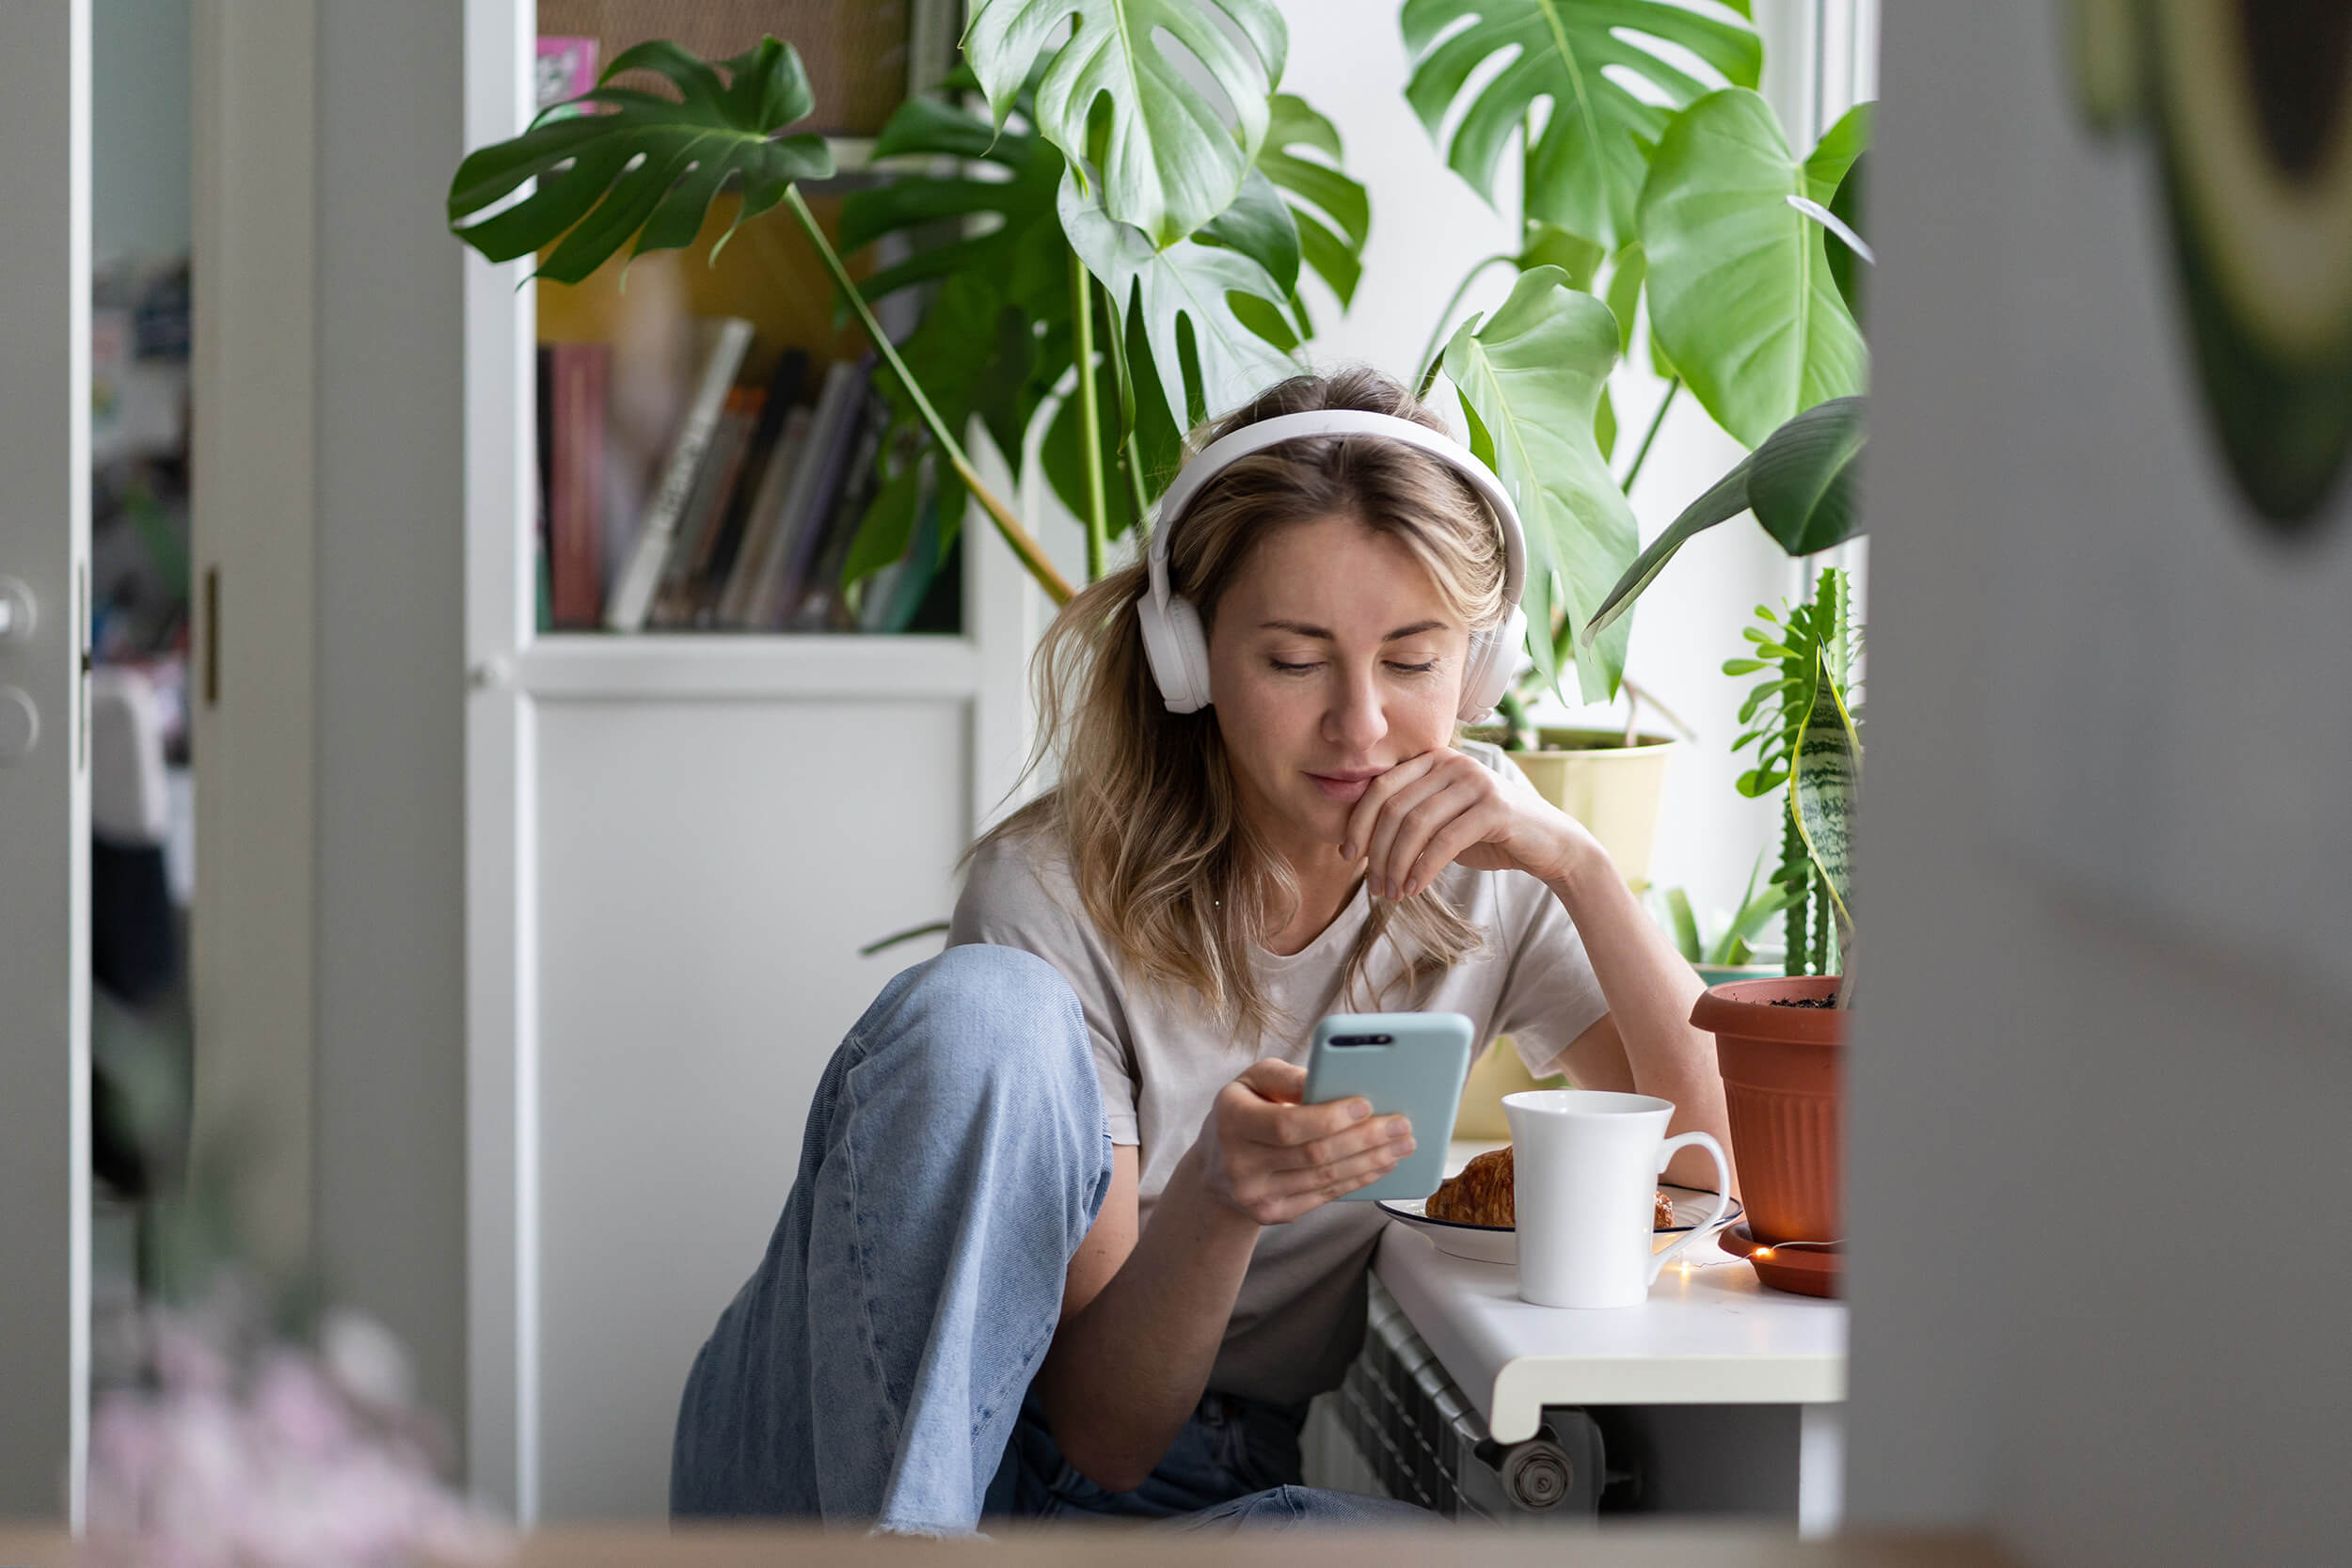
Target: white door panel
<point x="44" y="796"/>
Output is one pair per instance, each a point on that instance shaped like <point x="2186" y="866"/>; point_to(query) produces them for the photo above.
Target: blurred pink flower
<point x="276" y="1460"/>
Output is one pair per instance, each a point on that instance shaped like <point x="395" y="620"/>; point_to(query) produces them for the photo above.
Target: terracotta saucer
<point x="1804" y="1268"/>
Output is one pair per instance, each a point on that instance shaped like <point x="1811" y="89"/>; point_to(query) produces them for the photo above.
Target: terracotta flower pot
<point x="1784" y="1072"/>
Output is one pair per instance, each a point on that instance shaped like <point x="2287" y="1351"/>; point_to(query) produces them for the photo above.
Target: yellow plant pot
<point x="1611" y="787"/>
<point x="1499" y="1072"/>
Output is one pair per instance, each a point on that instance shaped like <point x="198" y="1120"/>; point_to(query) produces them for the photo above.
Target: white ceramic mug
<point x="1586" y="1163"/>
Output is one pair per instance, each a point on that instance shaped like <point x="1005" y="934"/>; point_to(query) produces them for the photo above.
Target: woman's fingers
<point x="1377" y="1132"/>
<point x="1366" y="811"/>
<point x="1381" y="851"/>
<point x="1271" y="1078"/>
<point x="1415" y="829"/>
<point x="1467" y="824"/>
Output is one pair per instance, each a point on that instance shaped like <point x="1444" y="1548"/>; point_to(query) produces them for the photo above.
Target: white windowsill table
<point x="1709" y="1338"/>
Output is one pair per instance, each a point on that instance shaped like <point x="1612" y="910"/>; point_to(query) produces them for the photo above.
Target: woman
<point x="1064" y="1240"/>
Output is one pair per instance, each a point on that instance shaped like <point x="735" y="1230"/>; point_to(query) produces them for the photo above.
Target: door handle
<point x="18" y="612"/>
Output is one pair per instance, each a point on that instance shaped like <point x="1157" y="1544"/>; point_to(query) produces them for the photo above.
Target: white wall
<point x="2099" y="1274"/>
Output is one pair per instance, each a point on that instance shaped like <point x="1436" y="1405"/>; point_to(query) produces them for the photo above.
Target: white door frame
<point x="44" y="790"/>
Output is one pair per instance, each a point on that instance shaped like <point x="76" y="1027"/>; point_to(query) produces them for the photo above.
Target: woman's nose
<point x="1355" y="720"/>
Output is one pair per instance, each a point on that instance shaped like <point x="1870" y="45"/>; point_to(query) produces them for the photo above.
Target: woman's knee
<point x="979" y="1020"/>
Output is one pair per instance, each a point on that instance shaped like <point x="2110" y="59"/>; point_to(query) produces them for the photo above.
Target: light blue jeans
<point x="874" y="1369"/>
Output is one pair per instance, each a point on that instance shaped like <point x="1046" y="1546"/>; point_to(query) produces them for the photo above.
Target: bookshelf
<point x="677" y="839"/>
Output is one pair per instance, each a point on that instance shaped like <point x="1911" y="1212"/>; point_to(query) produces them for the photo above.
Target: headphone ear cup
<point x="1192" y="651"/>
<point x="1493" y="659"/>
<point x="1177" y="651"/>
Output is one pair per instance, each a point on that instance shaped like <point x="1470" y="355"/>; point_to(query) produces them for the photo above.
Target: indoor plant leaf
<point x="1851" y="205"/>
<point x="1022" y="202"/>
<point x="1800" y="484"/>
<point x="1584" y="172"/>
<point x="1802" y="481"/>
<point x="1551" y="246"/>
<point x="1336" y="216"/>
<point x="1205" y="356"/>
<point x="1259" y="225"/>
<point x="1721" y="501"/>
<point x="1828" y="777"/>
<point x="641" y="164"/>
<point x="1159" y="445"/>
<point x="1168" y="162"/>
<point x="996" y="336"/>
<point x="1531" y="378"/>
<point x="1741" y="294"/>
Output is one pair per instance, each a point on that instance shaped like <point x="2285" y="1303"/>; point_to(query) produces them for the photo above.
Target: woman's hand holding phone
<point x="1270" y="1159"/>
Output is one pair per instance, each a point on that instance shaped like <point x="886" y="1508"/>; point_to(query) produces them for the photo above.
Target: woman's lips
<point x="1342" y="786"/>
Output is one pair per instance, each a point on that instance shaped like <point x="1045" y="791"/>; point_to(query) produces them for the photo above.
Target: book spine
<point x="721" y="480"/>
<point x="632" y="596"/>
<point x="711" y="567"/>
<point x="755" y="560"/>
<point x="823" y="607"/>
<point x="775" y="587"/>
<point x="575" y="515"/>
<point x="829" y="456"/>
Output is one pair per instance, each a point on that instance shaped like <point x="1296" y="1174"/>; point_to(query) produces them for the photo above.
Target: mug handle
<point x="1723" y="1195"/>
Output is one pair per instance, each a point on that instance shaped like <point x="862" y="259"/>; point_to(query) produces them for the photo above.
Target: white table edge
<point x="1522" y="1385"/>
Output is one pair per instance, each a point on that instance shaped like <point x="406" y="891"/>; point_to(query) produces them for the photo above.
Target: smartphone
<point x="1407" y="1064"/>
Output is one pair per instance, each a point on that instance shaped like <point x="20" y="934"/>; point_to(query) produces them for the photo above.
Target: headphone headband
<point x="1172" y="637"/>
<point x="1218" y="455"/>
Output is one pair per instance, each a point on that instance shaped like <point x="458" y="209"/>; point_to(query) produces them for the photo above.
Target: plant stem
<point x="1090" y="418"/>
<point x="1650" y="435"/>
<point x="1031" y="553"/>
<point x="1130" y="452"/>
<point x="1437" y="335"/>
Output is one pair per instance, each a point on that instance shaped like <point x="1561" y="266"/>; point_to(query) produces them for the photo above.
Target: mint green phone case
<point x="1412" y="1064"/>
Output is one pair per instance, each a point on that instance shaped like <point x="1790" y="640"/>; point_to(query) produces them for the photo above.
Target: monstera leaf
<point x="1584" y="172"/>
<point x="1531" y="379"/>
<point x="1800" y="484"/>
<point x="641" y="164"/>
<point x="1332" y="212"/>
<point x="1204" y="354"/>
<point x="1168" y="163"/>
<point x="1742" y="297"/>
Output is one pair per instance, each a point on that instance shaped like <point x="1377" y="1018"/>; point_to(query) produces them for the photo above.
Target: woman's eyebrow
<point x="1300" y="629"/>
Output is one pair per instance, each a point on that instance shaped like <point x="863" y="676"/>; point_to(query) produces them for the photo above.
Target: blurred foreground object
<point x="236" y="1449"/>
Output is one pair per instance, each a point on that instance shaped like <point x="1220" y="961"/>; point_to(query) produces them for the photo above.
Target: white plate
<point x="1496" y="1243"/>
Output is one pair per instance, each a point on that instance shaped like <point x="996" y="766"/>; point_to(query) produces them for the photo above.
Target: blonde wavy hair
<point x="1168" y="868"/>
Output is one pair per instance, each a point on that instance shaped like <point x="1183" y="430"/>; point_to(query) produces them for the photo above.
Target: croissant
<point x="1480" y="1194"/>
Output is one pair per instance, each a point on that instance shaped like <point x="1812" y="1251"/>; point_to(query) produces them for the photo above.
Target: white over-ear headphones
<point x="1173" y="639"/>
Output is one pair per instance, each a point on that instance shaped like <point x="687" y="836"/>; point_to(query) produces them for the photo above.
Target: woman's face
<point x="1333" y="658"/>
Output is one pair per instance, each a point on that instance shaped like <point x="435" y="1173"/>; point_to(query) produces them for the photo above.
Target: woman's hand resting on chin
<point x="1265" y="1156"/>
<point x="1444" y="807"/>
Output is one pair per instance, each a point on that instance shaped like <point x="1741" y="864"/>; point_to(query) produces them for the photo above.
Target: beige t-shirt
<point x="1299" y="1317"/>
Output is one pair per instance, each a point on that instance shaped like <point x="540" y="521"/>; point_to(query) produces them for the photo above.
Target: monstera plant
<point x="1144" y="233"/>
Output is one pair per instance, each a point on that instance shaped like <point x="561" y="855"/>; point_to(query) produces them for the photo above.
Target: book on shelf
<point x="715" y="488"/>
<point x="633" y="593"/>
<point x="697" y="595"/>
<point x="822" y="607"/>
<point x="771" y="583"/>
<point x="763" y="523"/>
<point x="579" y="374"/>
